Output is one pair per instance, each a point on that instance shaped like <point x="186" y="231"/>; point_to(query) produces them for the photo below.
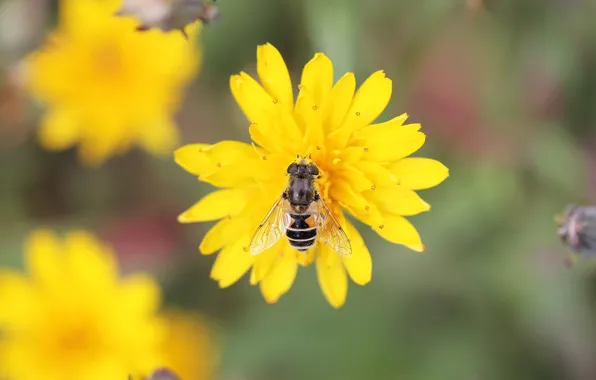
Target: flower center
<point x="108" y="61"/>
<point x="81" y="339"/>
<point x="324" y="183"/>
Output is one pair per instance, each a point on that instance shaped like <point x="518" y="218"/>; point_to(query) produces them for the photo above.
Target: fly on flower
<point x="577" y="229"/>
<point x="352" y="166"/>
<point x="169" y="15"/>
<point x="302" y="215"/>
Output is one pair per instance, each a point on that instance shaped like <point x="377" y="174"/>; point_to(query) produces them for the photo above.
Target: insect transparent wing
<point x="331" y="233"/>
<point x="271" y="229"/>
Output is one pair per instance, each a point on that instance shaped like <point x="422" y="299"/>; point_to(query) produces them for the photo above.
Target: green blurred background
<point x="505" y="90"/>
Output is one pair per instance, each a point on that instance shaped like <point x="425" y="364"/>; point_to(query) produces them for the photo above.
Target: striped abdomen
<point x="300" y="235"/>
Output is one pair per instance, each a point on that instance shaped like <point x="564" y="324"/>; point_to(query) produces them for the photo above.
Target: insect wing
<point x="331" y="232"/>
<point x="271" y="229"/>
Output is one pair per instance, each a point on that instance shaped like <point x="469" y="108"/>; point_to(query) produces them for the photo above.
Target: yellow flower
<point x="72" y="318"/>
<point x="364" y="166"/>
<point x="108" y="86"/>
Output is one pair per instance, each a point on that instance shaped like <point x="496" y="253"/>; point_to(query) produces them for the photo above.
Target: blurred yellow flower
<point x="72" y="318"/>
<point x="364" y="166"/>
<point x="107" y="86"/>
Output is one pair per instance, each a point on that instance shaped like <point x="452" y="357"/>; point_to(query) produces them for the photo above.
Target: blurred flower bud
<point x="163" y="374"/>
<point x="577" y="229"/>
<point x="169" y="15"/>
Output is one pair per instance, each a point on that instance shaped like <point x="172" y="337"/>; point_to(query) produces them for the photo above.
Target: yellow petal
<point x="264" y="134"/>
<point x="231" y="158"/>
<point x="140" y="295"/>
<point x="18" y="300"/>
<point x="391" y="145"/>
<point x="191" y="348"/>
<point x="317" y="79"/>
<point x="359" y="264"/>
<point x="371" y="215"/>
<point x="397" y="201"/>
<point x="419" y="173"/>
<point x="378" y="174"/>
<point x="399" y="230"/>
<point x="215" y="238"/>
<point x="228" y="152"/>
<point x="253" y="276"/>
<point x="45" y="258"/>
<point x="288" y="133"/>
<point x="232" y="263"/>
<point x="192" y="158"/>
<point x="343" y="192"/>
<point x="96" y="145"/>
<point x="370" y="100"/>
<point x="71" y="13"/>
<point x="332" y="276"/>
<point x="59" y="130"/>
<point x="315" y="86"/>
<point x="355" y="178"/>
<point x="351" y="154"/>
<point x="310" y="117"/>
<point x="237" y="175"/>
<point x="159" y="138"/>
<point x="339" y="101"/>
<point x="413" y="127"/>
<point x="43" y="65"/>
<point x="354" y="202"/>
<point x="304" y="259"/>
<point x="280" y="278"/>
<point x="396" y="122"/>
<point x="215" y="205"/>
<point x="274" y="75"/>
<point x="91" y="262"/>
<point x="265" y="262"/>
<point x="250" y="96"/>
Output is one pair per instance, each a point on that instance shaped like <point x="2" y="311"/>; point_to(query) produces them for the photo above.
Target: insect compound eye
<point x="293" y="168"/>
<point x="312" y="170"/>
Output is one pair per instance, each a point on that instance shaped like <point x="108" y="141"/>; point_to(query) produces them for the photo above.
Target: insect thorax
<point x="300" y="192"/>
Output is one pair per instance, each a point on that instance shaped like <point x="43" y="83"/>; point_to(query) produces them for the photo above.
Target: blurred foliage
<point x="506" y="92"/>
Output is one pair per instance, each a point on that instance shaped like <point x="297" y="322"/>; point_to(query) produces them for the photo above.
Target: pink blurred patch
<point x="13" y="113"/>
<point x="544" y="91"/>
<point x="145" y="241"/>
<point x="446" y="98"/>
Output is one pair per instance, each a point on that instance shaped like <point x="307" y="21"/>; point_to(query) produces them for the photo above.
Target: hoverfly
<point x="301" y="215"/>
